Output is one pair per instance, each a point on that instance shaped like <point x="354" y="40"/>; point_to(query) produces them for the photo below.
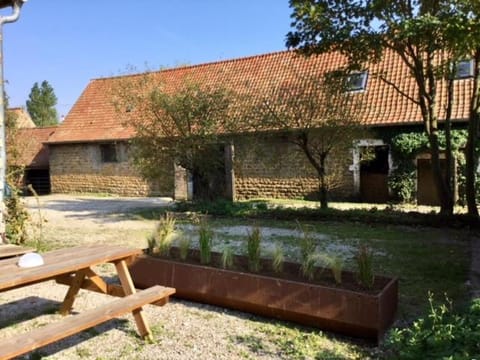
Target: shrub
<point x="161" y="239"/>
<point x="278" y="258"/>
<point x="307" y="243"/>
<point x="205" y="240"/>
<point x="227" y="257"/>
<point x="16" y="218"/>
<point x="184" y="246"/>
<point x="253" y="249"/>
<point x="364" y="259"/>
<point x="308" y="266"/>
<point x="442" y="334"/>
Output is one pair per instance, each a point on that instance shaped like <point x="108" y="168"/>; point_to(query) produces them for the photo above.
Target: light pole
<point x="16" y="6"/>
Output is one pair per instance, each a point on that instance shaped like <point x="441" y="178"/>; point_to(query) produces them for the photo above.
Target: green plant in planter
<point x="253" y="249"/>
<point x="308" y="266"/>
<point x="161" y="239"/>
<point x="336" y="265"/>
<point x="184" y="247"/>
<point x="205" y="239"/>
<point x="307" y="243"/>
<point x="227" y="257"/>
<point x="364" y="259"/>
<point x="278" y="258"/>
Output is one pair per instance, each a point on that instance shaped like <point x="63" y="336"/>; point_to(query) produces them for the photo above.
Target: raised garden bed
<point x="344" y="308"/>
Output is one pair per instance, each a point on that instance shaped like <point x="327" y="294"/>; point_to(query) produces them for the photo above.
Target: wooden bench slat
<point x="24" y="343"/>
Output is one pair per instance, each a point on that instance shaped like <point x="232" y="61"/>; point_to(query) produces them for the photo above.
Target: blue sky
<point x="68" y="42"/>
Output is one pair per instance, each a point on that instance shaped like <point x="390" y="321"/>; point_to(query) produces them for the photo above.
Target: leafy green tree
<point x="41" y="104"/>
<point x="183" y="126"/>
<point x="461" y="33"/>
<point x="364" y="30"/>
<point x="320" y="118"/>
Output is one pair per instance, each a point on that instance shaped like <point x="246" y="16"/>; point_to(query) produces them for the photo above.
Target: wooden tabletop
<point x="9" y="250"/>
<point x="58" y="262"/>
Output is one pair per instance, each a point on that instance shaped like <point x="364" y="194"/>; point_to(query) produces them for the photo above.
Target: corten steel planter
<point x="350" y="312"/>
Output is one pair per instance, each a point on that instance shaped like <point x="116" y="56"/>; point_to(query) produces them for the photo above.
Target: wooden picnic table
<point x="74" y="267"/>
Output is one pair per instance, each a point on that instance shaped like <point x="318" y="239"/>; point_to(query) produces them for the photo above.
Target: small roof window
<point x="464" y="69"/>
<point x="357" y="81"/>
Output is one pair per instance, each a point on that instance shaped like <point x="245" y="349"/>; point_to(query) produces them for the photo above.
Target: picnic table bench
<point x="73" y="267"/>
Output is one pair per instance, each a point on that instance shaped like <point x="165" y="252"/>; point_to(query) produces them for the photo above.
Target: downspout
<point x="16" y="5"/>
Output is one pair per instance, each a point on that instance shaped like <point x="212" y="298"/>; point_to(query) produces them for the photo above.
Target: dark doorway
<point x="210" y="183"/>
<point x="39" y="179"/>
<point x="374" y="175"/>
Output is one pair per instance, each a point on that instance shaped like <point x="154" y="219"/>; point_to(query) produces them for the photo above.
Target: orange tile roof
<point x="94" y="118"/>
<point x="30" y="145"/>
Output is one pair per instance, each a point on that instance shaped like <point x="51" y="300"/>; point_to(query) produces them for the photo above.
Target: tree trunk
<point x="473" y="127"/>
<point x="322" y="191"/>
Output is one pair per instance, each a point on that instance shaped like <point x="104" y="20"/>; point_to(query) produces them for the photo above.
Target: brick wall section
<point x="78" y="168"/>
<point x="274" y="168"/>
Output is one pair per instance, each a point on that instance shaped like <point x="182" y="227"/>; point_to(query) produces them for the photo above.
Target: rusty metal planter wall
<point x="330" y="308"/>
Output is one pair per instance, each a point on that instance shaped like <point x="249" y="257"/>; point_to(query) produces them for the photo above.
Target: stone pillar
<point x="229" y="172"/>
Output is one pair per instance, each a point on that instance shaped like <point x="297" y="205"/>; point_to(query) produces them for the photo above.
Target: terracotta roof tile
<point x="30" y="144"/>
<point x="94" y="118"/>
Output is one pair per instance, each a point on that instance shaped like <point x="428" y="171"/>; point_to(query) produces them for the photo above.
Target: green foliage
<point x="41" y="104"/>
<point x="16" y="219"/>
<point x="227" y="257"/>
<point x="161" y="239"/>
<point x="205" y="241"/>
<point x="320" y="118"/>
<point x="278" y="258"/>
<point x="185" y="125"/>
<point x="336" y="265"/>
<point x="406" y="146"/>
<point x="364" y="259"/>
<point x="307" y="266"/>
<point x="306" y="241"/>
<point x="222" y="207"/>
<point x="254" y="239"/>
<point x="441" y="334"/>
<point x="184" y="247"/>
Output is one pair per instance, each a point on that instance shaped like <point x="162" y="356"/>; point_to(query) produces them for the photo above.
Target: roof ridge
<point x="199" y="65"/>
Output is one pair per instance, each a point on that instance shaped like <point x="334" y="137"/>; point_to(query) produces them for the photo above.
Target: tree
<point x="461" y="26"/>
<point x="364" y="30"/>
<point x="41" y="104"/>
<point x="320" y="117"/>
<point x="182" y="126"/>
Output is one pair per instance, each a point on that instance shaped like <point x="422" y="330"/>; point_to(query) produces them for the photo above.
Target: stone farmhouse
<point x="89" y="151"/>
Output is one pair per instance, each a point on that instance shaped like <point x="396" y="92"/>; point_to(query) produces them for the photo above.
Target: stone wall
<point x="79" y="168"/>
<point x="275" y="168"/>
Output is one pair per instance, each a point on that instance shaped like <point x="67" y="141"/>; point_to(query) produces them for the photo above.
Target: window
<point x="357" y="81"/>
<point x="108" y="153"/>
<point x="464" y="69"/>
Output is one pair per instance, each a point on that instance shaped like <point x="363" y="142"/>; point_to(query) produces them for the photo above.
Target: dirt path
<point x="86" y="219"/>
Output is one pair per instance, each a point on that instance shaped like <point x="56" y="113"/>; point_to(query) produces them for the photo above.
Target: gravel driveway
<point x="182" y="330"/>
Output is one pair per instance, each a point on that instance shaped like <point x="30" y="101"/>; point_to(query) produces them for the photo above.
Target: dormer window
<point x="464" y="69"/>
<point x="357" y="81"/>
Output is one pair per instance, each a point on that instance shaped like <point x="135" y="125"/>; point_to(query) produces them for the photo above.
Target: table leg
<point x="129" y="288"/>
<point x="73" y="291"/>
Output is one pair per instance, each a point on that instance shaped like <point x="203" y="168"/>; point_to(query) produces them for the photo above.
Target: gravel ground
<point x="182" y="330"/>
